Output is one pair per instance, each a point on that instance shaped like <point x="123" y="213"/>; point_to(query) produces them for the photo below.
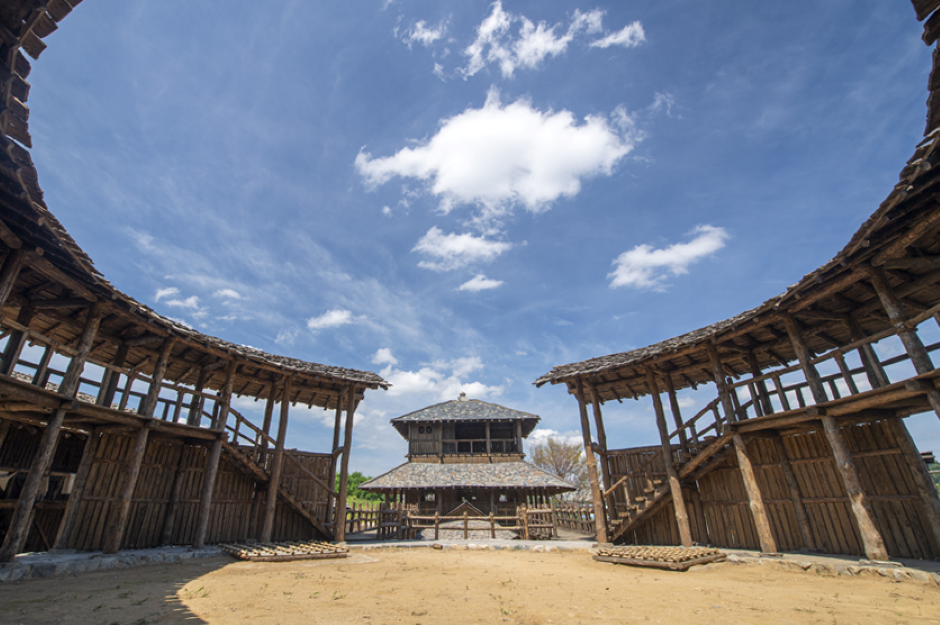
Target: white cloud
<point x="453" y="251"/>
<point x="227" y="293"/>
<point x="630" y="37"/>
<point x="167" y="292"/>
<point x="190" y="302"/>
<point x="540" y="435"/>
<point x="532" y="43"/>
<point x="497" y="156"/>
<point x="421" y="33"/>
<point x="384" y="356"/>
<point x="330" y="319"/>
<point x="479" y="282"/>
<point x="286" y="337"/>
<point x="645" y="267"/>
<point x="433" y="382"/>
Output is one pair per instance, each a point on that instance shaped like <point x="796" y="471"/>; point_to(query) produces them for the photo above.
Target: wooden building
<point x="804" y="445"/>
<point x="467" y="451"/>
<point x="120" y="432"/>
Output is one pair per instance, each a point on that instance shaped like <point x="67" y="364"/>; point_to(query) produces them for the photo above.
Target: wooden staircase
<point x="657" y="492"/>
<point x="250" y="459"/>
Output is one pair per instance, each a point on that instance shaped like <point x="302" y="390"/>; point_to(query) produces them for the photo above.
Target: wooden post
<point x="16" y="342"/>
<point x="912" y="343"/>
<point x="64" y="534"/>
<point x="602" y="441"/>
<point x="437" y="524"/>
<point x="805" y="357"/>
<point x="9" y="272"/>
<point x="117" y="517"/>
<point x="922" y="478"/>
<point x="861" y="508"/>
<point x="718" y="371"/>
<point x="20" y="521"/>
<point x="799" y="508"/>
<point x="39" y="379"/>
<point x="676" y="411"/>
<point x="600" y="516"/>
<point x="195" y="408"/>
<point x="763" y="396"/>
<point x="465" y="526"/>
<point x="486" y="426"/>
<point x="266" y="424"/>
<point x="110" y="382"/>
<point x="172" y="506"/>
<point x="212" y="464"/>
<point x="682" y="515"/>
<point x="699" y="511"/>
<point x="340" y="529"/>
<point x="873" y="369"/>
<point x="149" y="404"/>
<point x="277" y="464"/>
<point x="758" y="512"/>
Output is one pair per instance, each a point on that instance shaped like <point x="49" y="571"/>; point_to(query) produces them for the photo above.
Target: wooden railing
<point x="574" y="517"/>
<point x="362" y="517"/>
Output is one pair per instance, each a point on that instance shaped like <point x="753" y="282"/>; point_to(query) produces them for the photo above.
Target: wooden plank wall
<point x="165" y="459"/>
<point x="884" y="475"/>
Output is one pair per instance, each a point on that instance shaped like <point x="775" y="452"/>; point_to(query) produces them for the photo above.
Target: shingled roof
<point x="463" y="409"/>
<point x="419" y="475"/>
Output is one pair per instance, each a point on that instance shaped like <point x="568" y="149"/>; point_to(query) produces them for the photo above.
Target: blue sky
<point x="460" y="196"/>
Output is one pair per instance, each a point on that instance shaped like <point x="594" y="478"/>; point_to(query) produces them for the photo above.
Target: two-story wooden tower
<point x="466" y="451"/>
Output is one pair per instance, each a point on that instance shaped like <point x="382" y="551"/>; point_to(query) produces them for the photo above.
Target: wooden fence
<point x="362" y="517"/>
<point x="574" y="517"/>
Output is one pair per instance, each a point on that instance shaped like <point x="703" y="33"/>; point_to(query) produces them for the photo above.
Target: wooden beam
<point x="149" y="403"/>
<point x="117" y="518"/>
<point x="872" y="541"/>
<point x="111" y="378"/>
<point x="66" y="527"/>
<point x="678" y="502"/>
<point x="602" y="441"/>
<point x="763" y="396"/>
<point x="600" y="517"/>
<point x="755" y="500"/>
<point x="897" y="247"/>
<point x="912" y="343"/>
<point x="172" y="506"/>
<point x="917" y="263"/>
<point x="799" y="509"/>
<point x="215" y="453"/>
<point x="9" y="239"/>
<point x="55" y="304"/>
<point x="923" y="480"/>
<point x="718" y="372"/>
<point x="19" y="524"/>
<point x="339" y="528"/>
<point x="277" y="464"/>
<point x="676" y="411"/>
<point x="9" y="272"/>
<point x="16" y="342"/>
<point x="805" y="358"/>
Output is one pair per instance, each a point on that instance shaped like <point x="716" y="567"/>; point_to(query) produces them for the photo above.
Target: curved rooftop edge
<point x="58" y="280"/>
<point x="420" y="476"/>
<point x="464" y="409"/>
<point x="833" y="305"/>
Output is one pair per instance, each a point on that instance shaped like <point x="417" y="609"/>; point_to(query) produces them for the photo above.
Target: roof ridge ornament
<point x="463" y="397"/>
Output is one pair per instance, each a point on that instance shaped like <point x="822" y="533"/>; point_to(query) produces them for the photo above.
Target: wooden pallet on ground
<point x="286" y="551"/>
<point x="668" y="558"/>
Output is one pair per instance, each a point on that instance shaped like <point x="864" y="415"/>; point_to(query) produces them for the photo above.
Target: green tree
<point x="566" y="460"/>
<point x="352" y="488"/>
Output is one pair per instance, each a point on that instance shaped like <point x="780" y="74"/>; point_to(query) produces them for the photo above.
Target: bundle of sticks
<point x="670" y="558"/>
<point x="280" y="552"/>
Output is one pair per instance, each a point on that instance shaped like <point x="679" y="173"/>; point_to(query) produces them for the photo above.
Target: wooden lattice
<point x="281" y="552"/>
<point x="670" y="558"/>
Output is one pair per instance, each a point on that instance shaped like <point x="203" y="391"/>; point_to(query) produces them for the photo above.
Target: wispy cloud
<point x="647" y="268"/>
<point x="479" y="282"/>
<point x="630" y="37"/>
<point x="330" y="319"/>
<point x="441" y="380"/>
<point x="498" y="156"/>
<point x="526" y="47"/>
<point x="190" y="302"/>
<point x="227" y="293"/>
<point x="452" y="251"/>
<point x="167" y="292"/>
<point x="423" y="34"/>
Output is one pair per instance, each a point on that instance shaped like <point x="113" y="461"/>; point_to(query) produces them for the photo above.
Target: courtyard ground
<point x="416" y="586"/>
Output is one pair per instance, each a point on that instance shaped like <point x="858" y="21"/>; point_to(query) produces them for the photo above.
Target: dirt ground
<point x="425" y="586"/>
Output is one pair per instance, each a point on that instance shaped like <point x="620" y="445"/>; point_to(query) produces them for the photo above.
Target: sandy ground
<point x="425" y="586"/>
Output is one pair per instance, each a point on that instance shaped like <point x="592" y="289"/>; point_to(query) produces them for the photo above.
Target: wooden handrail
<point x="610" y="490"/>
<point x="711" y="406"/>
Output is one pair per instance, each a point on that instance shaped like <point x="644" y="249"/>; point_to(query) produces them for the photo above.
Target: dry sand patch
<point x="424" y="586"/>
